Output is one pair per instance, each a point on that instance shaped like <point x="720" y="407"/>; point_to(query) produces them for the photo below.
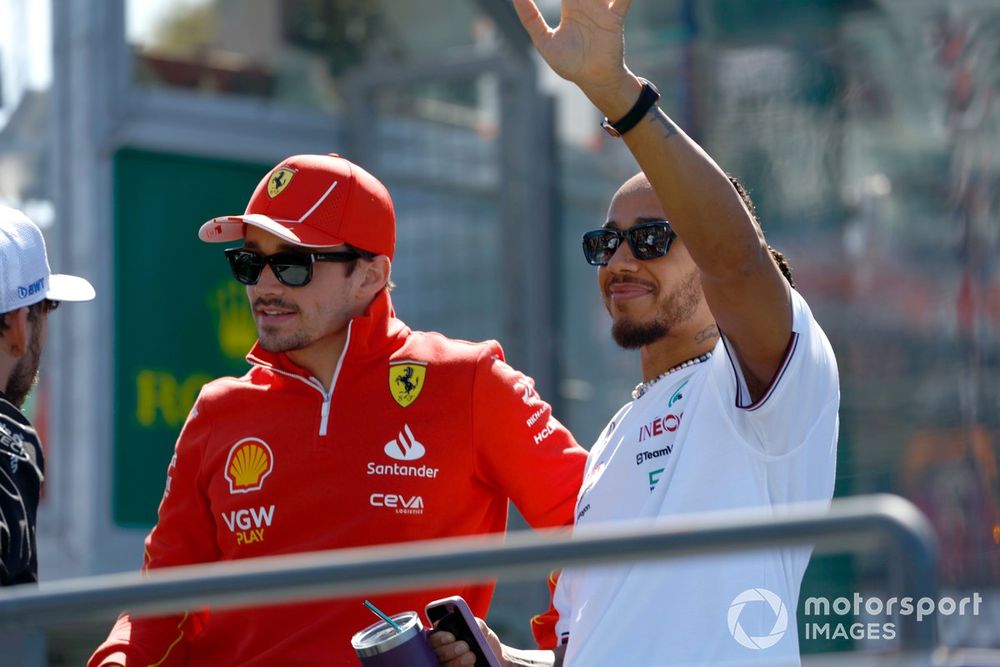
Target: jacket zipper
<point x="318" y="386"/>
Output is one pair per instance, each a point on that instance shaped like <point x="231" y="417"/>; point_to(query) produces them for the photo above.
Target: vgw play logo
<point x="755" y="597"/>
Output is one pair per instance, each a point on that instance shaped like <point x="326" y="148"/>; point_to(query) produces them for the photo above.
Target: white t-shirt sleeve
<point x="804" y="393"/>
<point x="561" y="601"/>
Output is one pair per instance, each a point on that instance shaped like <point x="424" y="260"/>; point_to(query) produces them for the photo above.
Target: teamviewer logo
<point x="758" y="595"/>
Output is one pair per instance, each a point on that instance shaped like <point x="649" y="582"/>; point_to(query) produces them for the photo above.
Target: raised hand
<point x="587" y="47"/>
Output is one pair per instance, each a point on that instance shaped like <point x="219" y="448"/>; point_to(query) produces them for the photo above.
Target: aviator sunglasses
<point x="293" y="269"/>
<point x="648" y="240"/>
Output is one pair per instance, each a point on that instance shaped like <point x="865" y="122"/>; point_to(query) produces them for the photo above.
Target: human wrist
<point x="615" y="100"/>
<point x="648" y="98"/>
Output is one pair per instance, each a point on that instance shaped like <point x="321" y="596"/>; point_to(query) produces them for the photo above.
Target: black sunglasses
<point x="648" y="240"/>
<point x="293" y="269"/>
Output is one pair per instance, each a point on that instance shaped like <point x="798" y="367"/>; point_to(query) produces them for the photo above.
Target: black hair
<point x="779" y="257"/>
<point x="364" y="254"/>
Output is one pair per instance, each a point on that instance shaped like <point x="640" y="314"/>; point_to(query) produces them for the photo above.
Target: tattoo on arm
<point x="669" y="127"/>
<point x="706" y="334"/>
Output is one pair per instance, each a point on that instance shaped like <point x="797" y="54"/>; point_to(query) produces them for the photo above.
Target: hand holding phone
<point x="453" y="615"/>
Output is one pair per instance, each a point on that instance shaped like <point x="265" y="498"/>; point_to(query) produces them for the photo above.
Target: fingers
<point x="455" y="655"/>
<point x="440" y="638"/>
<point x="620" y="7"/>
<point x="491" y="638"/>
<point x="449" y="652"/>
<point x="532" y="20"/>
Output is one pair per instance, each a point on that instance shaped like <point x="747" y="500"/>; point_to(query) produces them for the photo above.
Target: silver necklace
<point x="643" y="387"/>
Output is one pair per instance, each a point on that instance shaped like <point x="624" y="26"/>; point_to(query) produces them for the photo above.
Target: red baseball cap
<point x="315" y="201"/>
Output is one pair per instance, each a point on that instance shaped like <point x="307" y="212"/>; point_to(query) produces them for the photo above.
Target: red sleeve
<point x="520" y="448"/>
<point x="184" y="534"/>
<point x="543" y="626"/>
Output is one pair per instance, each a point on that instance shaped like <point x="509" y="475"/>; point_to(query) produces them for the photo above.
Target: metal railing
<point x="862" y="523"/>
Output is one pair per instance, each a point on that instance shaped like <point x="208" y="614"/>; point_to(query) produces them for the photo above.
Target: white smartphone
<point x="453" y="615"/>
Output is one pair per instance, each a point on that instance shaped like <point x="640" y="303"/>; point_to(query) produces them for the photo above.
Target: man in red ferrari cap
<point x="349" y="429"/>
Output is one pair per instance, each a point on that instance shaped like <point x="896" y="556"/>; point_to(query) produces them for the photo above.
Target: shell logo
<point x="250" y="462"/>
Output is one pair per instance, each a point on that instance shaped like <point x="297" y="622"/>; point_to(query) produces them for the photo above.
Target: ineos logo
<point x="660" y="426"/>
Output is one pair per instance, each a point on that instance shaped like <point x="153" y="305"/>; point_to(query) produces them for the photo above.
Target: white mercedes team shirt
<point x="695" y="443"/>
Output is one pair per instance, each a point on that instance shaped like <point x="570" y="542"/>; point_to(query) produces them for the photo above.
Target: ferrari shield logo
<point x="406" y="380"/>
<point x="279" y="180"/>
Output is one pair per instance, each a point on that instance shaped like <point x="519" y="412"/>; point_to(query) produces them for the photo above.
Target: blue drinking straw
<point x="385" y="618"/>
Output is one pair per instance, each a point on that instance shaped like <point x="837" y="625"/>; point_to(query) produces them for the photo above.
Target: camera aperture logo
<point x="757" y="596"/>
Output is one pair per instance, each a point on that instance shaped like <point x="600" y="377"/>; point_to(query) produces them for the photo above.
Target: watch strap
<point x="647" y="98"/>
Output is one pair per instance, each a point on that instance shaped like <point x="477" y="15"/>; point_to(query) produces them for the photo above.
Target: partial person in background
<point x="349" y="429"/>
<point x="28" y="293"/>
<point x="738" y="404"/>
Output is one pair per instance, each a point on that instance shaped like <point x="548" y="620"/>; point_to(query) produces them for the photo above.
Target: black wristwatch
<point x="647" y="98"/>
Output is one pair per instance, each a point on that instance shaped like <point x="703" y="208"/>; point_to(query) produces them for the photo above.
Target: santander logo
<point x="405" y="447"/>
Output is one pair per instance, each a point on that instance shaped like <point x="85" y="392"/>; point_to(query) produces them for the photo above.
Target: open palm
<point x="587" y="45"/>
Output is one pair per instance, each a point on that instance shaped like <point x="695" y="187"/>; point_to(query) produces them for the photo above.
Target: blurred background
<point x="867" y="132"/>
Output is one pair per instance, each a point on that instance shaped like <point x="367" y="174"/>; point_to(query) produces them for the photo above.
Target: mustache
<point x="629" y="280"/>
<point x="273" y="303"/>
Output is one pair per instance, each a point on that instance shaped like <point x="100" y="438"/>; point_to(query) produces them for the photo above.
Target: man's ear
<point x="15" y="336"/>
<point x="376" y="274"/>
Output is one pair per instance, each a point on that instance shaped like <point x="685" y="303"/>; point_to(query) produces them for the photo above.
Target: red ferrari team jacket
<point x="420" y="437"/>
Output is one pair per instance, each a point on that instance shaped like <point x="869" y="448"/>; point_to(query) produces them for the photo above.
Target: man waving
<point x="738" y="402"/>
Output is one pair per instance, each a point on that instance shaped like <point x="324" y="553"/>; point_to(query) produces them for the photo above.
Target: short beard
<point x="678" y="307"/>
<point x="25" y="374"/>
<point x="277" y="345"/>
<point x="632" y="336"/>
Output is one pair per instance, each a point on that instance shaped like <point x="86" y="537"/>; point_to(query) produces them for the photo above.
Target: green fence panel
<point x="180" y="318"/>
